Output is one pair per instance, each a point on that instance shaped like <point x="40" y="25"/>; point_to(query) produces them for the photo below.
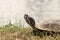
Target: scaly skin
<point x="36" y="31"/>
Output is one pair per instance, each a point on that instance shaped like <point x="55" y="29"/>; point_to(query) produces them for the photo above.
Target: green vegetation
<point x="12" y="32"/>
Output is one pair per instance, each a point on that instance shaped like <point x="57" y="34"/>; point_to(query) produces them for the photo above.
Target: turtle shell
<point x="52" y="24"/>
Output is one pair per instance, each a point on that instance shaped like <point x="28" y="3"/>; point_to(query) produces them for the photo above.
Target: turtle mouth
<point x="25" y="16"/>
<point x="29" y="20"/>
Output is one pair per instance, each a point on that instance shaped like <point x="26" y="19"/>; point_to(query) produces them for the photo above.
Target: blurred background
<point x="14" y="10"/>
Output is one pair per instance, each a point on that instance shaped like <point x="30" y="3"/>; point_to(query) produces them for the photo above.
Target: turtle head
<point x="29" y="20"/>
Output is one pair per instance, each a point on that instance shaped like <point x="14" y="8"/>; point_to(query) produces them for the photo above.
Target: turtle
<point x="47" y="26"/>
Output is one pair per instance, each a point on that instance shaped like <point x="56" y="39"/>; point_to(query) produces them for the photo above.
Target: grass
<point x="12" y="32"/>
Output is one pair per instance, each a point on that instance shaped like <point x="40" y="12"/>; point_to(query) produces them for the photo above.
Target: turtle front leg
<point x="40" y="32"/>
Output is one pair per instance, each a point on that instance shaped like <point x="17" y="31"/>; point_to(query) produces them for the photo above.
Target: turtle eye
<point x="26" y="17"/>
<point x="29" y="20"/>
